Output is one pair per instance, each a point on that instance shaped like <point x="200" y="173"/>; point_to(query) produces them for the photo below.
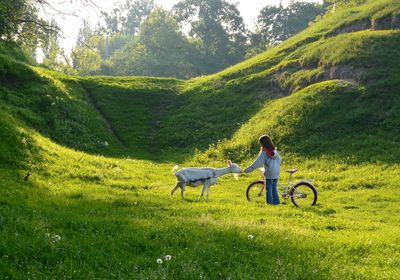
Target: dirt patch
<point x="387" y="22"/>
<point x="345" y="72"/>
<point x="384" y="23"/>
<point x="352" y="27"/>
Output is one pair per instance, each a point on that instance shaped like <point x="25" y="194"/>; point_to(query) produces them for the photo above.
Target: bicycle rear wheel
<point x="256" y="192"/>
<point x="304" y="194"/>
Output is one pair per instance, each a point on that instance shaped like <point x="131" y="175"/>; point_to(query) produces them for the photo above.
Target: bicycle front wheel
<point x="256" y="192"/>
<point x="304" y="194"/>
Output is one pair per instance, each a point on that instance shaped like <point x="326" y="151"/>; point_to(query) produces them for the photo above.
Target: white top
<point x="272" y="164"/>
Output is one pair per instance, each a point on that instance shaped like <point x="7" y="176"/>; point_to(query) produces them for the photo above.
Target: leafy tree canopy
<point x="276" y="23"/>
<point x="127" y="17"/>
<point x="159" y="49"/>
<point x="219" y="27"/>
<point x="20" y="23"/>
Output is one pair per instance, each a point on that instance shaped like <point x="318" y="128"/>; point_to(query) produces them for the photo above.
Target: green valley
<point x="85" y="163"/>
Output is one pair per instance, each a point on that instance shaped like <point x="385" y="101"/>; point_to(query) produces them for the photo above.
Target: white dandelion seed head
<point x="56" y="238"/>
<point x="159" y="261"/>
<point x="168" y="257"/>
<point x="250" y="237"/>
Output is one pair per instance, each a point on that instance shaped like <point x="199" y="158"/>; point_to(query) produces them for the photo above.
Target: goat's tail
<point x="174" y="169"/>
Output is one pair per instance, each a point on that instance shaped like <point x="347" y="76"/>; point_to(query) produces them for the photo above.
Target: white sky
<point x="70" y="25"/>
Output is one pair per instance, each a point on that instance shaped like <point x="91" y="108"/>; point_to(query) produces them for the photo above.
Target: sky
<point x="76" y="12"/>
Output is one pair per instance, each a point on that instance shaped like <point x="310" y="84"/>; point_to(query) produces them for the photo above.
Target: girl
<point x="271" y="160"/>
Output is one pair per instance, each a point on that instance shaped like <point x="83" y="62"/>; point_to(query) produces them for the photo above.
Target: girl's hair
<point x="266" y="142"/>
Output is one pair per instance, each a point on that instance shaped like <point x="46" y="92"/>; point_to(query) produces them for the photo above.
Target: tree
<point x="300" y="14"/>
<point x="121" y="24"/>
<point x="269" y="27"/>
<point x="136" y="13"/>
<point x="86" y="61"/>
<point x="84" y="34"/>
<point x="107" y="45"/>
<point x="128" y="16"/>
<point x="112" y="20"/>
<point x="20" y="23"/>
<point x="159" y="49"/>
<point x="276" y="23"/>
<point x="11" y="13"/>
<point x="53" y="55"/>
<point x="219" y="28"/>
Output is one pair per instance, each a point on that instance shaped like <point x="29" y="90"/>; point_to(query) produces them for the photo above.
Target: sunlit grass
<point x="87" y="216"/>
<point x="90" y="210"/>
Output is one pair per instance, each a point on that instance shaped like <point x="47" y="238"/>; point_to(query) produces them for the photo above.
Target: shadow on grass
<point x="48" y="235"/>
<point x="350" y="130"/>
<point x="17" y="149"/>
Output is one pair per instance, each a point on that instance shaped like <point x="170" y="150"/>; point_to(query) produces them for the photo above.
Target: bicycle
<point x="301" y="193"/>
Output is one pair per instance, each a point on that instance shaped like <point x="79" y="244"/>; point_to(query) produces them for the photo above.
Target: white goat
<point x="201" y="176"/>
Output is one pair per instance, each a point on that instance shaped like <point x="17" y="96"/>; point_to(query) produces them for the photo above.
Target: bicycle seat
<point x="291" y="171"/>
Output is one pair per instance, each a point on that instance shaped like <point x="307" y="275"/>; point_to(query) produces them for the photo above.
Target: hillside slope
<point x="207" y="110"/>
<point x="354" y="111"/>
<point x="171" y="119"/>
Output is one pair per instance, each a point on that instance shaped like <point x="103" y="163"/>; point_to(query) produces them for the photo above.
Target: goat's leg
<point x="183" y="191"/>
<point x="175" y="188"/>
<point x="207" y="186"/>
<point x="202" y="191"/>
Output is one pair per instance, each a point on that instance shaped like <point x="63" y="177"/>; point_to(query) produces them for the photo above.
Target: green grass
<point x="100" y="151"/>
<point x="114" y="219"/>
<point x="136" y="107"/>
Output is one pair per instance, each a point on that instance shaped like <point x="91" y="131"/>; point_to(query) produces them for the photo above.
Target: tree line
<point x="196" y="37"/>
<point x="136" y="37"/>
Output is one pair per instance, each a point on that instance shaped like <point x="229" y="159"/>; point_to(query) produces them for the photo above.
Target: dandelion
<point x="105" y="143"/>
<point x="168" y="257"/>
<point x="56" y="238"/>
<point x="159" y="261"/>
<point x="250" y="237"/>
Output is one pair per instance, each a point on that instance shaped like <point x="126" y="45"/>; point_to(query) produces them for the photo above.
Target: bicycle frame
<point x="300" y="189"/>
<point x="283" y="189"/>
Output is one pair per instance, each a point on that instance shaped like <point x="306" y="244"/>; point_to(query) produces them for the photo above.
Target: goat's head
<point x="234" y="168"/>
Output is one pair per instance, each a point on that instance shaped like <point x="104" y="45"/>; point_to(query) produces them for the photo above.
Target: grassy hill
<point x="85" y="163"/>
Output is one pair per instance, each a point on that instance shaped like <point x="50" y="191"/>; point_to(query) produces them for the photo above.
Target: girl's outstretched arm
<point x="257" y="163"/>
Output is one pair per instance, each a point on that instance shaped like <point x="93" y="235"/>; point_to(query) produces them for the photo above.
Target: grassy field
<point x="82" y="216"/>
<point x="99" y="153"/>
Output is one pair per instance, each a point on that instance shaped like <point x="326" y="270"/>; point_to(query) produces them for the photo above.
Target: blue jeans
<point x="272" y="192"/>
